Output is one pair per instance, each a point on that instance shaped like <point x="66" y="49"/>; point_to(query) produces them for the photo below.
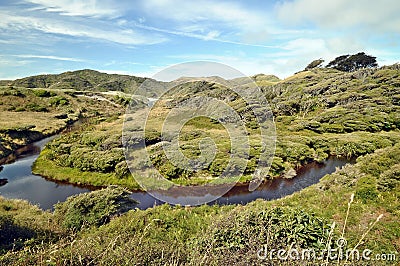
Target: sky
<point x="142" y="38"/>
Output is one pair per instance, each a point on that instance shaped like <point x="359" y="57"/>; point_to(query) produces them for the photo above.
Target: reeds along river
<point x="20" y="183"/>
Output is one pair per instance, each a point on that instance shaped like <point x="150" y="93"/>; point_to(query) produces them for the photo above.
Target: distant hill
<point x="88" y="80"/>
<point x="211" y="79"/>
<point x="92" y="80"/>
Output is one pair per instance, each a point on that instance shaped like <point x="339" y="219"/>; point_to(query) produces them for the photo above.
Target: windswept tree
<point x="314" y="64"/>
<point x="350" y="63"/>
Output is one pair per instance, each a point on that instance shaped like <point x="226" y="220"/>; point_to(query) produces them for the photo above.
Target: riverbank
<point x="49" y="163"/>
<point x="30" y="114"/>
<point x="17" y="141"/>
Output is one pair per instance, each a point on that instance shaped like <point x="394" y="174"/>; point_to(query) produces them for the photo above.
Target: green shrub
<point x="218" y="166"/>
<point x="93" y="208"/>
<point x="58" y="101"/>
<point x="34" y="107"/>
<point x="86" y="159"/>
<point x="14" y="92"/>
<point x="366" y="189"/>
<point x="238" y="235"/>
<point x="12" y="234"/>
<point x="390" y="178"/>
<point x="121" y="169"/>
<point x="377" y="163"/>
<point x="19" y="109"/>
<point x="43" y="93"/>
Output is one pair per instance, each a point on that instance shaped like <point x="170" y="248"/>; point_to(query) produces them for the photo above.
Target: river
<point x="22" y="184"/>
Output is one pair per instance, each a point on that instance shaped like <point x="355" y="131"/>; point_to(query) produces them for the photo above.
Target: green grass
<point x="215" y="235"/>
<point x="43" y="113"/>
<point x="50" y="170"/>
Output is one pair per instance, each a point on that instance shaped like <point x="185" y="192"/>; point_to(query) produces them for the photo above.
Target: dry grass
<point x="44" y="122"/>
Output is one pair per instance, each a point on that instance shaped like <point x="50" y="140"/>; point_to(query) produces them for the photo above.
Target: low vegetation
<point x="88" y="80"/>
<point x="319" y="112"/>
<point x="28" y="115"/>
<point x="92" y="209"/>
<point x="213" y="235"/>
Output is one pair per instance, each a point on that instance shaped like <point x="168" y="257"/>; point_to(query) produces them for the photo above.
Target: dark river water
<point x="22" y="184"/>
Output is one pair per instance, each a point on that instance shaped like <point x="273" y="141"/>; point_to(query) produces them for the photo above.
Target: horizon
<point x="170" y="79"/>
<point x="142" y="38"/>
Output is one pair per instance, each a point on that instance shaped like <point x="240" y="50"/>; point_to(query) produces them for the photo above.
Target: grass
<point x="43" y="122"/>
<point x="51" y="170"/>
<point x="23" y="225"/>
<point x="346" y="203"/>
<point x="27" y="115"/>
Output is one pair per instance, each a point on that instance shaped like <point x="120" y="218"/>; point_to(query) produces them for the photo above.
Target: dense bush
<point x="390" y="178"/>
<point x="383" y="160"/>
<point x="366" y="189"/>
<point x="88" y="151"/>
<point x="93" y="208"/>
<point x="58" y="101"/>
<point x="237" y="236"/>
<point x="12" y="234"/>
<point x="35" y="107"/>
<point x="43" y="93"/>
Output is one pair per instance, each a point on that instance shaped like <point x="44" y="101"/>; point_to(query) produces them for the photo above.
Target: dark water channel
<point x="18" y="182"/>
<point x="22" y="184"/>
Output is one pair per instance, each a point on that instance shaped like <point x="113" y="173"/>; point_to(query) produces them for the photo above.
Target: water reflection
<point x="22" y="184"/>
<point x="240" y="194"/>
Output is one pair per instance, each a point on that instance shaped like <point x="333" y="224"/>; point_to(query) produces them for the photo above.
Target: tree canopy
<point x="350" y="63"/>
<point x="314" y="64"/>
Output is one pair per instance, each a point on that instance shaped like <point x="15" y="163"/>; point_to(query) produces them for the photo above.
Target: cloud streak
<point x="89" y="8"/>
<point x="76" y="28"/>
<point x="51" y="57"/>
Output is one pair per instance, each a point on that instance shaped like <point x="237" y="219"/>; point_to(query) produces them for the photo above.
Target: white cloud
<point x="205" y="11"/>
<point x="97" y="30"/>
<point x="90" y="8"/>
<point x="235" y="22"/>
<point x="379" y="16"/>
<point x="7" y="61"/>
<point x="50" y="57"/>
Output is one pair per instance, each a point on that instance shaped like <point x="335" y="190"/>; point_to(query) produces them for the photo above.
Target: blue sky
<point x="143" y="37"/>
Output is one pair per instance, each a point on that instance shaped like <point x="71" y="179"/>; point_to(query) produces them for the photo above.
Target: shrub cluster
<point x="88" y="151"/>
<point x="237" y="236"/>
<point x="94" y="208"/>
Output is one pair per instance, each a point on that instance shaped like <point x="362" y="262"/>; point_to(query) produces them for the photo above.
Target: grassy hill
<point x="318" y="113"/>
<point x="87" y="80"/>
<point x="28" y="115"/>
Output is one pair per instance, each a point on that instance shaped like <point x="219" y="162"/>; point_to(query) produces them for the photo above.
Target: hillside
<point x="317" y="114"/>
<point x="87" y="80"/>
